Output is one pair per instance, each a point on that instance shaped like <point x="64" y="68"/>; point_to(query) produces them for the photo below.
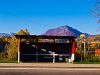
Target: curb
<point x="46" y="67"/>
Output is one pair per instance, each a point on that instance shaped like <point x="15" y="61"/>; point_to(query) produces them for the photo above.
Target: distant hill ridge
<point x="7" y="34"/>
<point x="64" y="31"/>
<point x="59" y="31"/>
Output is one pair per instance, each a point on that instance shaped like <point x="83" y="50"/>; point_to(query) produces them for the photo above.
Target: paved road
<point x="48" y="71"/>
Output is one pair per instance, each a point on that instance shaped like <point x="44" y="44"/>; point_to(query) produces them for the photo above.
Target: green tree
<point x="27" y="32"/>
<point x="23" y="32"/>
<point x="3" y="42"/>
<point x="12" y="48"/>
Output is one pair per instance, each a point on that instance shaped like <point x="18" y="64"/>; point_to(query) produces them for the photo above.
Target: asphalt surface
<point x="48" y="71"/>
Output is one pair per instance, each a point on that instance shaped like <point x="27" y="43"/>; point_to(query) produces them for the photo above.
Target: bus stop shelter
<point x="42" y="48"/>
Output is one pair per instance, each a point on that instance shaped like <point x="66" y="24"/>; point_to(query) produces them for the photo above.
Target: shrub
<point x="3" y="55"/>
<point x="94" y="59"/>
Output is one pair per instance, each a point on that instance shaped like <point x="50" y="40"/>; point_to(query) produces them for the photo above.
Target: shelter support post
<point x="18" y="50"/>
<point x="73" y="52"/>
<point x="53" y="57"/>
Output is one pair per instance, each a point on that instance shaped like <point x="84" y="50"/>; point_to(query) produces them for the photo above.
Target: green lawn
<point x="85" y="62"/>
<point x="5" y="60"/>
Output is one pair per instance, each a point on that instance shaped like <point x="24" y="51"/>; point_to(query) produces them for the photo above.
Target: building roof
<point x="44" y="37"/>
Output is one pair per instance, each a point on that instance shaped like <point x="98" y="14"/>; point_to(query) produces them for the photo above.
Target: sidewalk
<point x="48" y="65"/>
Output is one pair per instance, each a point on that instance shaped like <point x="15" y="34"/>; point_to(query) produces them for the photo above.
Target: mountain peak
<point x="67" y="26"/>
<point x="63" y="31"/>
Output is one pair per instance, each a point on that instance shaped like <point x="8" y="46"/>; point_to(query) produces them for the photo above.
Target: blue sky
<point x="40" y="15"/>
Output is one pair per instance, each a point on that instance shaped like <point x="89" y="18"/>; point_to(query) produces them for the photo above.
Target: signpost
<point x="82" y="36"/>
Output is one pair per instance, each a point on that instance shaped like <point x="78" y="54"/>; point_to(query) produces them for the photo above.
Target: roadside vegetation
<point x="92" y="43"/>
<point x="9" y="47"/>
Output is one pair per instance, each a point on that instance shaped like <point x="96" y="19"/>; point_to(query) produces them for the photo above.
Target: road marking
<point x="84" y="69"/>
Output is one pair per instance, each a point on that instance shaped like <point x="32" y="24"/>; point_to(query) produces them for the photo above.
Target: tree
<point x="12" y="48"/>
<point x="96" y="12"/>
<point x="4" y="40"/>
<point x="23" y="32"/>
<point x="27" y="32"/>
